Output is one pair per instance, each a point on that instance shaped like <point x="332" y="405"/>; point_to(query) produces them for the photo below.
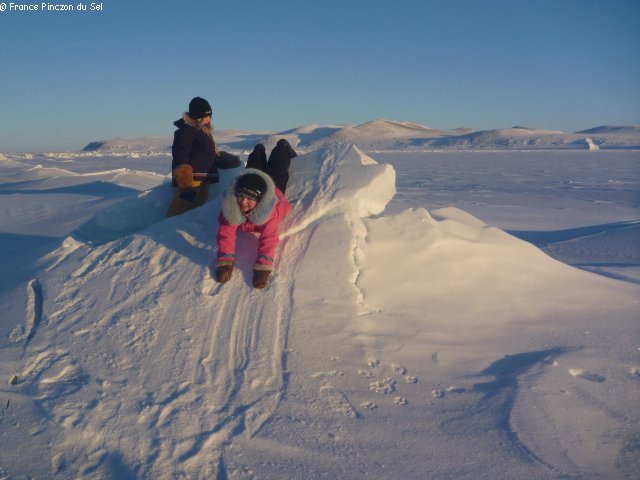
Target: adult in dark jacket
<point x="196" y="158"/>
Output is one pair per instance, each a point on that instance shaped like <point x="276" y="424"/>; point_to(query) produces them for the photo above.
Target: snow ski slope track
<point x="146" y="368"/>
<point x="34" y="310"/>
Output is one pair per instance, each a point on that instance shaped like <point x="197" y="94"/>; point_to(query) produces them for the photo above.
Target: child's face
<point x="246" y="204"/>
<point x="205" y="120"/>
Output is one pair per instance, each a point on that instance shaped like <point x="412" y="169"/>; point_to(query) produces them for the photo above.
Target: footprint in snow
<point x="454" y="389"/>
<point x="332" y="373"/>
<point x="68" y="380"/>
<point x="443" y="393"/>
<point x="338" y="401"/>
<point x="635" y="371"/>
<point x="385" y="386"/>
<point x="368" y="405"/>
<point x="437" y="393"/>
<point x="399" y="369"/>
<point x="411" y="379"/>
<point x="586" y="375"/>
<point x="401" y="401"/>
<point x="373" y="362"/>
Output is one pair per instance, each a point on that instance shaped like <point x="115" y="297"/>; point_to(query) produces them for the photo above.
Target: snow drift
<point x="387" y="346"/>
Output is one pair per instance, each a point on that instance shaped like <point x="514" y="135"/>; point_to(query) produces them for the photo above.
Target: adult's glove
<point x="184" y="176"/>
<point x="261" y="278"/>
<point x="226" y="160"/>
<point x="223" y="272"/>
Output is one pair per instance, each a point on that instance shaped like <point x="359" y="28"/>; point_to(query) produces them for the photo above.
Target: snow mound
<point x="323" y="183"/>
<point x="412" y="302"/>
<point x="446" y="251"/>
<point x="336" y="180"/>
<point x="139" y="212"/>
<point x="415" y="329"/>
<point x="123" y="295"/>
<point x="41" y="172"/>
<point x="127" y="216"/>
<point x="8" y="162"/>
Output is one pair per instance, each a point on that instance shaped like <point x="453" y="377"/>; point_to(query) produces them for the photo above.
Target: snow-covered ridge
<point x="380" y="135"/>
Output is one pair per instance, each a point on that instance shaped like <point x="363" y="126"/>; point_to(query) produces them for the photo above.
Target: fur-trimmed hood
<point x="187" y="120"/>
<point x="264" y="208"/>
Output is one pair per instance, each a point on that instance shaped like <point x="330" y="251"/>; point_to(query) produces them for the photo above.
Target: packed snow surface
<point x="400" y="337"/>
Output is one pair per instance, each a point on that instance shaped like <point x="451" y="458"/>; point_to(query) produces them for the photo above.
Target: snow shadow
<point x="544" y="238"/>
<point x="144" y="210"/>
<point x="111" y="465"/>
<point x="13" y="245"/>
<point x="96" y="189"/>
<point x="310" y="137"/>
<point x="50" y="392"/>
<point x="499" y="394"/>
<point x="507" y="370"/>
<point x="18" y="255"/>
<point x="611" y="250"/>
<point x="126" y="217"/>
<point x="615" y="271"/>
<point x="247" y="141"/>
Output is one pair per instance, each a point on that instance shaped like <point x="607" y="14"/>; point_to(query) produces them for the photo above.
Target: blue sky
<point x="130" y="69"/>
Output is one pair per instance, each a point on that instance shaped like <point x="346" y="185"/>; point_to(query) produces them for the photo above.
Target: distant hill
<point x="609" y="129"/>
<point x="505" y="138"/>
<point x="151" y="144"/>
<point x="389" y="135"/>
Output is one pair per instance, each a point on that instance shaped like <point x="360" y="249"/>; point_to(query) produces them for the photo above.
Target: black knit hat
<point x="199" y="108"/>
<point x="251" y="186"/>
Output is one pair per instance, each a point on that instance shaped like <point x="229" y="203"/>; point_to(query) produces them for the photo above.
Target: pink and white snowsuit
<point x="263" y="220"/>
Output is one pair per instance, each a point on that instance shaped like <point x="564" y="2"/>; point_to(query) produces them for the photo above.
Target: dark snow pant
<point x="277" y="167"/>
<point x="188" y="198"/>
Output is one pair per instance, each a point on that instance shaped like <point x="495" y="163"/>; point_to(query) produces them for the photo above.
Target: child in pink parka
<point x="254" y="205"/>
